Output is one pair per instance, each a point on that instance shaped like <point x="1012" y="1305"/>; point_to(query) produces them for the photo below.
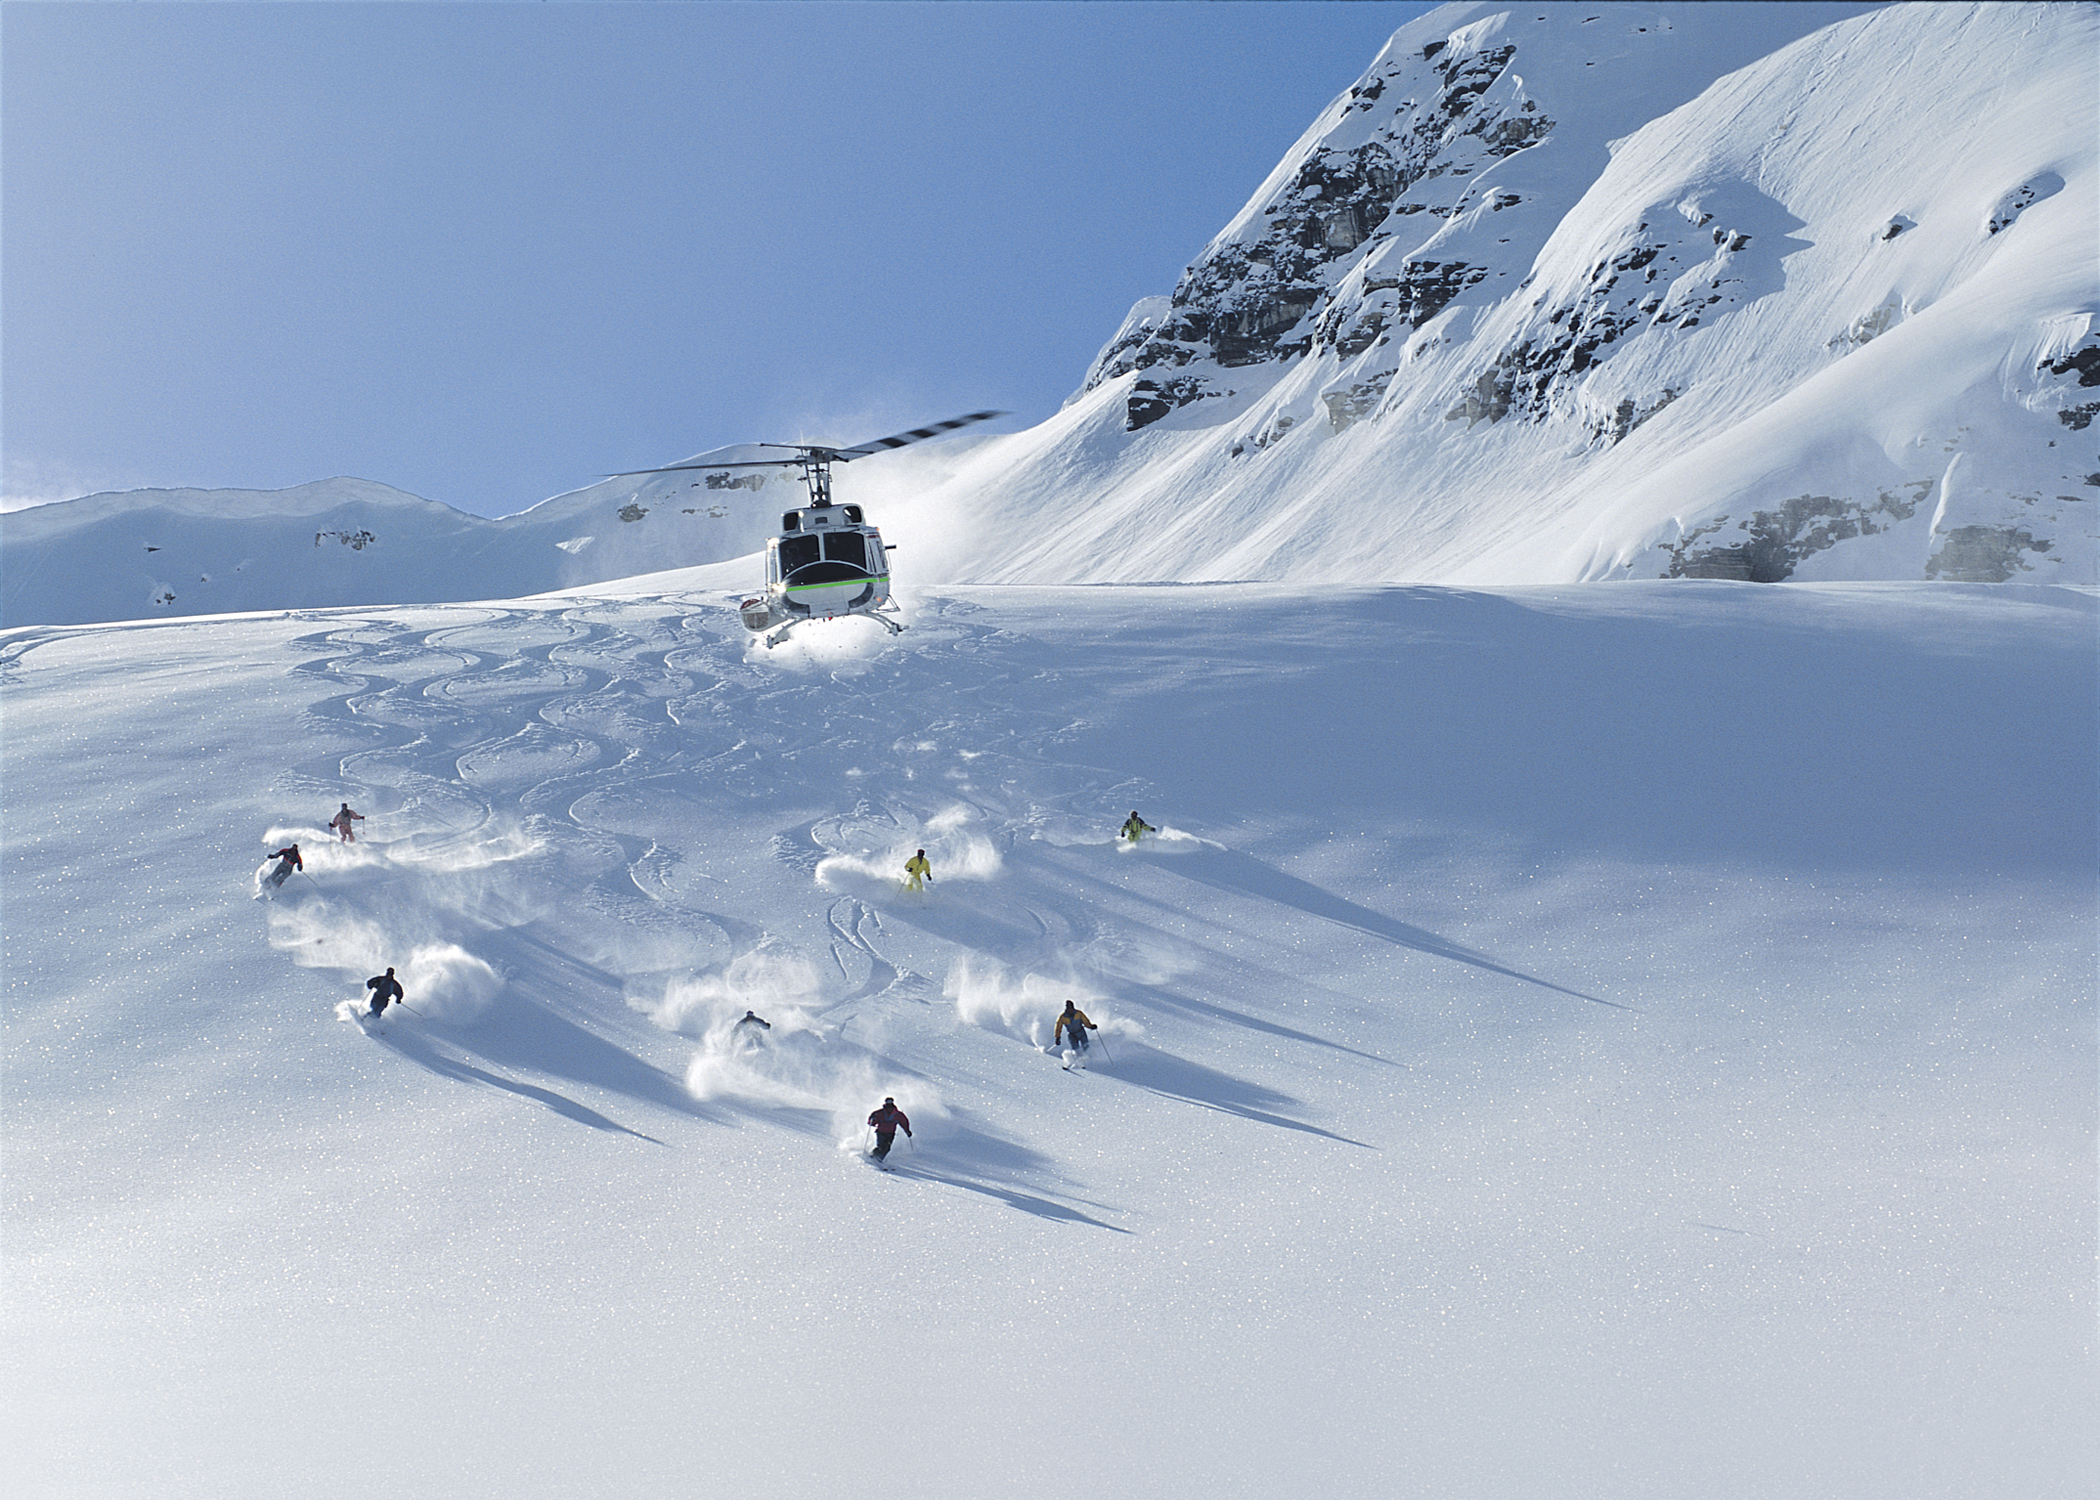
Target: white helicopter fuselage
<point x="826" y="562"/>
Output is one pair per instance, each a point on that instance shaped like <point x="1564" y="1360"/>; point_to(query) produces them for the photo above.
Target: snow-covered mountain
<point x="151" y="553"/>
<point x="1563" y="292"/>
<point x="1554" y="292"/>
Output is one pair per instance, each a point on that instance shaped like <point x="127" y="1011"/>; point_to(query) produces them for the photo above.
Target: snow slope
<point x="1591" y="1042"/>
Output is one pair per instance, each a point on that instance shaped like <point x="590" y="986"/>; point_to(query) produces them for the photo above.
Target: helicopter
<point x="827" y="561"/>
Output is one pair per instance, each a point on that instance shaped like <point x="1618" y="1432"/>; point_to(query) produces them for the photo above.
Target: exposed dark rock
<point x="1347" y="407"/>
<point x="2020" y="199"/>
<point x="753" y="482"/>
<point x="1983" y="554"/>
<point x="632" y="512"/>
<point x="1512" y="133"/>
<point x="2085" y="361"/>
<point x="1867" y="327"/>
<point x="1149" y="400"/>
<point x="1775" y="541"/>
<point x="1649" y="284"/>
<point x="356" y="541"/>
<point x="1243" y="302"/>
<point x="1488" y="398"/>
<point x="1468" y="75"/>
<point x="1427" y="287"/>
<point x="1629" y="414"/>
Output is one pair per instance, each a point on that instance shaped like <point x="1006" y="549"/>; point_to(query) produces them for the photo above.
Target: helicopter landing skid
<point x="887" y="624"/>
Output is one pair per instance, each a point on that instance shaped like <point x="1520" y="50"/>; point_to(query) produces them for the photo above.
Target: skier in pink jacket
<point x="341" y="823"/>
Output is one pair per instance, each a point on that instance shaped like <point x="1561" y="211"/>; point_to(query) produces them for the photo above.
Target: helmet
<point x="891" y="1103"/>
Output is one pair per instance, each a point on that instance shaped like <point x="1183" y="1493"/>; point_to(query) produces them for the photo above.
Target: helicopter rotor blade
<point x="823" y="452"/>
<point x="742" y="463"/>
<point x="916" y="435"/>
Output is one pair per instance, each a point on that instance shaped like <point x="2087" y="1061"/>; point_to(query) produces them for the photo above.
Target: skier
<point x="1072" y="1025"/>
<point x="385" y="990"/>
<point x="746" y="1031"/>
<point x="915" y="870"/>
<point x="887" y="1121"/>
<point x="341" y="823"/>
<point x="288" y="860"/>
<point x="1137" y="827"/>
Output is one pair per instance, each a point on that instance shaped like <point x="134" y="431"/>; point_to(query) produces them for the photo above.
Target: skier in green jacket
<point x="1137" y="827"/>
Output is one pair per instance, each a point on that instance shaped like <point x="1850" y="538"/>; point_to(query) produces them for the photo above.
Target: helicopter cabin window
<point x="846" y="547"/>
<point x="797" y="552"/>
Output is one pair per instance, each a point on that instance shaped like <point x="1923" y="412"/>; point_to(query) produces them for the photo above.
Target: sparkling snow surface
<point x="1627" y="1041"/>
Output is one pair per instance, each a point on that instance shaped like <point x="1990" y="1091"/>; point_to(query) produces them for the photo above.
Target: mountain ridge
<point x="1550" y="294"/>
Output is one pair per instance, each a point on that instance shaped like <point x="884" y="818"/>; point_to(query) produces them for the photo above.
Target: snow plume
<point x="443" y="981"/>
<point x="1026" y="1006"/>
<point x="494" y="842"/>
<point x="804" y="1071"/>
<point x="320" y="849"/>
<point x="319" y="934"/>
<point x="954" y="839"/>
<point x="1167" y="840"/>
<point x="779" y="986"/>
<point x="843" y="646"/>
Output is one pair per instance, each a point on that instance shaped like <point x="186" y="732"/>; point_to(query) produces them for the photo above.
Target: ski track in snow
<point x="609" y="735"/>
<point x="1528" y="994"/>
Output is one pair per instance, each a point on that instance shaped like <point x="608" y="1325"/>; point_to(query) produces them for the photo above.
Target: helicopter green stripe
<point x="843" y="583"/>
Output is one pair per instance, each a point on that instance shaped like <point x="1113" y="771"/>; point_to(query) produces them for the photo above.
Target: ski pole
<point x="1103" y="1040"/>
<point x="412" y="1010"/>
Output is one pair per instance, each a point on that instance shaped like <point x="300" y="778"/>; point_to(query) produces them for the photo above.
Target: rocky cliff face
<point x="1611" y="290"/>
<point x="1275" y="289"/>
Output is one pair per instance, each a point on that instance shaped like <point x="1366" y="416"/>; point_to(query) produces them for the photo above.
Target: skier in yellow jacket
<point x="1137" y="827"/>
<point x="916" y="870"/>
<point x="1072" y="1025"/>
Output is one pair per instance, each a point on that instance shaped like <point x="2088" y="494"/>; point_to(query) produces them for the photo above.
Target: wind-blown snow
<point x="1628" y="1041"/>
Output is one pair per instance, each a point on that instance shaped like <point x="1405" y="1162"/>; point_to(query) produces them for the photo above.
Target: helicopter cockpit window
<point x="797" y="552"/>
<point x="846" y="547"/>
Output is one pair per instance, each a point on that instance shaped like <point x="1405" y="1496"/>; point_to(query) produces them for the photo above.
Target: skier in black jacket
<point x="385" y="990"/>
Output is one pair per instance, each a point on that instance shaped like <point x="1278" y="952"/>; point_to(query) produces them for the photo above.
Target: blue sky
<point x="487" y="253"/>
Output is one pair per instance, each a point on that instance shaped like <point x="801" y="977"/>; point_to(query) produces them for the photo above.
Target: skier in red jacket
<point x="887" y="1121"/>
<point x="288" y="860"/>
